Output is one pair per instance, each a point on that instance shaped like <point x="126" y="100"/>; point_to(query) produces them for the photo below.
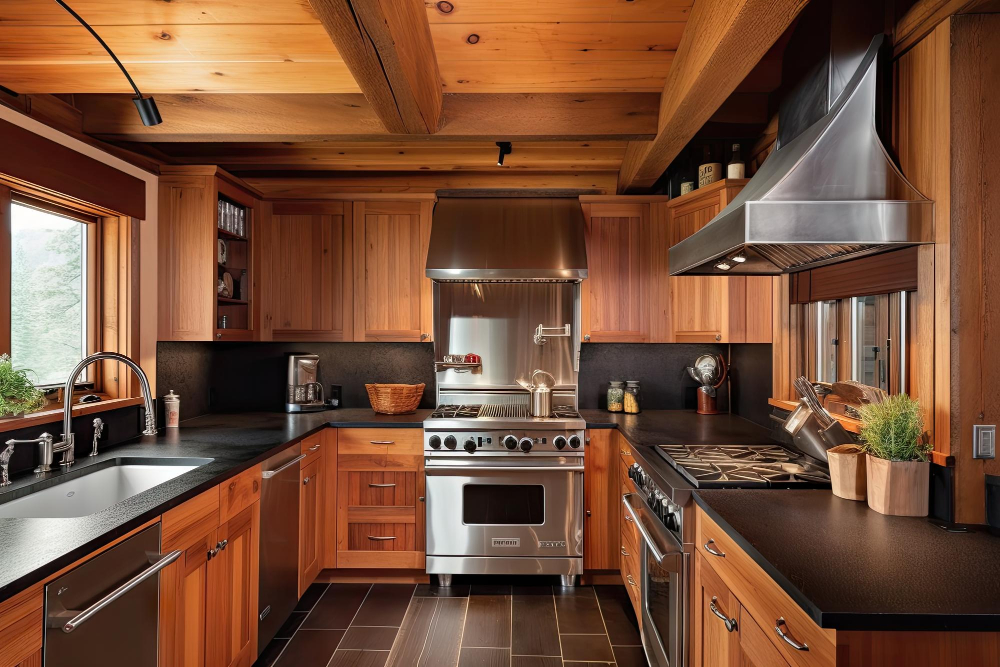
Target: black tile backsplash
<point x="228" y="376"/>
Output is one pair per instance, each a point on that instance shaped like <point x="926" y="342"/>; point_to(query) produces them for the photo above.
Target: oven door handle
<point x="431" y="469"/>
<point x="659" y="542"/>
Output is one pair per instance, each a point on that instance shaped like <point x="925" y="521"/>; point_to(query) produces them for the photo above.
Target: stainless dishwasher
<point x="279" y="542"/>
<point x="106" y="612"/>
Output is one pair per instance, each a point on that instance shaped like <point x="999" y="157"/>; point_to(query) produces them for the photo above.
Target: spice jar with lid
<point x="616" y="394"/>
<point x="632" y="398"/>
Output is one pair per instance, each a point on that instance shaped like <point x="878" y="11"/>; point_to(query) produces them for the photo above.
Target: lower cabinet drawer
<point x="383" y="489"/>
<point x="629" y="562"/>
<point x="381" y="537"/>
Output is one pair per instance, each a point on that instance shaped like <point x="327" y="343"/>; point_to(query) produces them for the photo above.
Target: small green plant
<point x="894" y="429"/>
<point x="17" y="392"/>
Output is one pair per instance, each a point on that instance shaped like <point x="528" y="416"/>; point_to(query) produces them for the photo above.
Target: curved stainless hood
<point x="830" y="194"/>
<point x="509" y="239"/>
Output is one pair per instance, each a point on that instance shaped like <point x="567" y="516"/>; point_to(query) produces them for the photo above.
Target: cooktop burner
<point x="513" y="410"/>
<point x="709" y="466"/>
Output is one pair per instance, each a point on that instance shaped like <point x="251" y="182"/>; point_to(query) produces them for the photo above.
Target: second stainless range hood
<point x="830" y="194"/>
<point x="508" y="239"/>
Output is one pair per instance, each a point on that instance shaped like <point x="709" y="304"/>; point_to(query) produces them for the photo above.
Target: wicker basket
<point x="395" y="399"/>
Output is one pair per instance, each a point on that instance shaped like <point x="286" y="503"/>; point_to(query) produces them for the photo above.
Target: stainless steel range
<point x="504" y="488"/>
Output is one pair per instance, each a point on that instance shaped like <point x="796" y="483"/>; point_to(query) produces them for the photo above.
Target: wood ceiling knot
<point x="445" y="7"/>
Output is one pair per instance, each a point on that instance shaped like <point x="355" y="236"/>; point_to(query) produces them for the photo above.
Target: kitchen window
<point x="50" y="282"/>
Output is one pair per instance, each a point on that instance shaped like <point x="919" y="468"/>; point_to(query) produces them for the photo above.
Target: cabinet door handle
<point x="380" y="486"/>
<point x="628" y="518"/>
<point x="377" y="538"/>
<point x="305" y="481"/>
<point x="625" y="553"/>
<point x="382" y="442"/>
<point x="730" y="622"/>
<point x="586" y="337"/>
<point x="712" y="551"/>
<point x="778" y="625"/>
<point x="314" y="448"/>
<point x="631" y="581"/>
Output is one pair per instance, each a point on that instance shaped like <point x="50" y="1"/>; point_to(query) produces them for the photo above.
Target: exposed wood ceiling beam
<point x="555" y="11"/>
<point x="259" y="118"/>
<point x="723" y="41"/>
<point x="923" y="17"/>
<point x="387" y="46"/>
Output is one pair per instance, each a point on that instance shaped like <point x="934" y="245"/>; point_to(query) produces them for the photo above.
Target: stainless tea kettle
<point x="540" y="389"/>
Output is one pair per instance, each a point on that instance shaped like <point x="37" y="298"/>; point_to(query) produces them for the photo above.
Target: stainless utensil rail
<point x="88" y="613"/>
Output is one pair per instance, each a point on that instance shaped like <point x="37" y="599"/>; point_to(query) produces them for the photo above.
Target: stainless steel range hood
<point x="508" y="239"/>
<point x="830" y="194"/>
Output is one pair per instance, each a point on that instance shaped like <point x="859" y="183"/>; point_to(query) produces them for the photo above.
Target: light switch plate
<point x="984" y="441"/>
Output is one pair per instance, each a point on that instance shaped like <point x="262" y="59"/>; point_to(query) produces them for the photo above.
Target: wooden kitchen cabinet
<point x="311" y="480"/>
<point x="309" y="271"/>
<point x="21" y="621"/>
<point x="392" y="296"/>
<point x="380" y="498"/>
<point x="601" y="500"/>
<point x="629" y="539"/>
<point x="190" y="306"/>
<point x="717" y="640"/>
<point x="208" y="597"/>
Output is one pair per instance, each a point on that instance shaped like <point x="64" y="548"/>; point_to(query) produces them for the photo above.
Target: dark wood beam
<point x="387" y="46"/>
<point x="722" y="43"/>
<point x="347" y="117"/>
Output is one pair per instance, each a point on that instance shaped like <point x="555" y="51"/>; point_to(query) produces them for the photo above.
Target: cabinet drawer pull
<point x="380" y="486"/>
<point x="625" y="553"/>
<point x="314" y="448"/>
<point x="628" y="518"/>
<point x="305" y="481"/>
<point x="631" y="581"/>
<point x="376" y="538"/>
<point x="778" y="625"/>
<point x="730" y="622"/>
<point x="382" y="442"/>
<point x="712" y="551"/>
<point x="222" y="545"/>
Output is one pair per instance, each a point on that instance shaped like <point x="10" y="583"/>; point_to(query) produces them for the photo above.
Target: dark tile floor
<point x="473" y="623"/>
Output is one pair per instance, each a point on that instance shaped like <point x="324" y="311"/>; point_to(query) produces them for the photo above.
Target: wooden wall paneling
<point x="336" y="184"/>
<point x="602" y="501"/>
<point x="5" y="268"/>
<point x="390" y="253"/>
<point x="844" y="347"/>
<point x="886" y="272"/>
<point x="616" y="290"/>
<point x="661" y="328"/>
<point x="311" y="272"/>
<point x="781" y="378"/>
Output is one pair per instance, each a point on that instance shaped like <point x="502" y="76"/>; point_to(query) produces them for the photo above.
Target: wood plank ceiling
<point x="262" y="89"/>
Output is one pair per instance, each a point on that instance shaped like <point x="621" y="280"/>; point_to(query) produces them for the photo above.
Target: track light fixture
<point x="739" y="258"/>
<point x="146" y="106"/>
<point x="505" y="149"/>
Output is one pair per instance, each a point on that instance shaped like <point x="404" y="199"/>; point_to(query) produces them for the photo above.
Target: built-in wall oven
<point x="499" y="514"/>
<point x="665" y="570"/>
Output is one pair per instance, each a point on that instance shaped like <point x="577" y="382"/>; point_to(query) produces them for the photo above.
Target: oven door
<point x="663" y="589"/>
<point x="505" y="506"/>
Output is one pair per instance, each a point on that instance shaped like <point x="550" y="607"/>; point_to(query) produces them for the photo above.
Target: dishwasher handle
<point x="268" y="474"/>
<point x="88" y="613"/>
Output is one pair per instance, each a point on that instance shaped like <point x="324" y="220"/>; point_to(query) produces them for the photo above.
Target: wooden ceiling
<point x="286" y="87"/>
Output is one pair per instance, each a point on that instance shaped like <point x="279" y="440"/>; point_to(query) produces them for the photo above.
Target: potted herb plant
<point x="892" y="433"/>
<point x="17" y="393"/>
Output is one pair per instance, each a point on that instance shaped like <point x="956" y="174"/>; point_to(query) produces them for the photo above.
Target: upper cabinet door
<point x="392" y="297"/>
<point x="615" y="294"/>
<point x="310" y="272"/>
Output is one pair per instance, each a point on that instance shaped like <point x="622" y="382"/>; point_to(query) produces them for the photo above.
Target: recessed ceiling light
<point x="740" y="258"/>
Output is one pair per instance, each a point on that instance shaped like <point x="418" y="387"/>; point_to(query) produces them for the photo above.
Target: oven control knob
<point x="510" y="442"/>
<point x="574" y="441"/>
<point x="559" y="442"/>
<point x="435" y="442"/>
<point x="450" y="442"/>
<point x="470" y="446"/>
<point x="525" y="444"/>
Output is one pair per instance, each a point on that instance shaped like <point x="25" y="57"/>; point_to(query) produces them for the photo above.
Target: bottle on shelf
<point x="735" y="168"/>
<point x="708" y="171"/>
<point x="686" y="176"/>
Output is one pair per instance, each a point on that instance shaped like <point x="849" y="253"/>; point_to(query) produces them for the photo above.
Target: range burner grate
<point x="735" y="465"/>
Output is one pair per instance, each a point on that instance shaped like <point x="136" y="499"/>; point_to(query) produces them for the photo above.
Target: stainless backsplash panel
<point x="497" y="321"/>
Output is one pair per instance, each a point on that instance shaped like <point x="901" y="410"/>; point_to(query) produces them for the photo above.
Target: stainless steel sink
<point x="97" y="487"/>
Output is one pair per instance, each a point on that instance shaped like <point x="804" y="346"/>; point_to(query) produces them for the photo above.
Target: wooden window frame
<point x="113" y="296"/>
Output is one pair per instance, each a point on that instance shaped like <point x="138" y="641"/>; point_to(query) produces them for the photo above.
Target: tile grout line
<point x="289" y="641"/>
<point x="555" y="609"/>
<point x="600" y="611"/>
<point x="358" y="611"/>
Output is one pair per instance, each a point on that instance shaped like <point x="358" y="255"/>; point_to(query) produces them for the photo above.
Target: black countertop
<point x="32" y="549"/>
<point x="680" y="427"/>
<point x="851" y="568"/>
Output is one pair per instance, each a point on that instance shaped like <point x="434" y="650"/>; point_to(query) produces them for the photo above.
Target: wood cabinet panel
<point x="188" y="523"/>
<point x="601" y="501"/>
<point x="311" y="478"/>
<point x="700" y="309"/>
<point x="313" y="448"/>
<point x="232" y="591"/>
<point x="184" y="606"/>
<point x="21" y="621"/>
<point x="311" y="272"/>
<point x="34" y="660"/>
<point x="715" y="645"/>
<point x="238" y="493"/>
<point x="329" y="441"/>
<point x="382" y="488"/>
<point x="392" y="297"/>
<point x="615" y="294"/>
<point x="756" y="649"/>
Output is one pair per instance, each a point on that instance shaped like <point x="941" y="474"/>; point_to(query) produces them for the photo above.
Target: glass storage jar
<point x="616" y="396"/>
<point x="632" y="398"/>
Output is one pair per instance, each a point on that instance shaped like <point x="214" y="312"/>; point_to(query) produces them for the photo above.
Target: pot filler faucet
<point x="46" y="445"/>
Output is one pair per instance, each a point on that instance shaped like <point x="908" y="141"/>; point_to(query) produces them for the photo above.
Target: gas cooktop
<point x="762" y="466"/>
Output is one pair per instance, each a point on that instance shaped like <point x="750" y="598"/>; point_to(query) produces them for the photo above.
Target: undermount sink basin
<point x="92" y="491"/>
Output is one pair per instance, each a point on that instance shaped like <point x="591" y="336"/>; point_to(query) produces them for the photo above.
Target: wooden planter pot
<point x="848" y="472"/>
<point x="899" y="488"/>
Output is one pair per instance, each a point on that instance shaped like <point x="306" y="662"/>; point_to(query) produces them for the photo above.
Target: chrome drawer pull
<point x="730" y="622"/>
<point x="314" y="448"/>
<point x="625" y="553"/>
<point x="382" y="442"/>
<point x="628" y="518"/>
<point x="712" y="551"/>
<point x="788" y="639"/>
<point x="380" y="486"/>
<point x="305" y="481"/>
<point x="376" y="538"/>
<point x="631" y="581"/>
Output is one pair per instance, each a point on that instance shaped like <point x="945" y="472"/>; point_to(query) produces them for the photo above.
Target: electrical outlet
<point x="984" y="440"/>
